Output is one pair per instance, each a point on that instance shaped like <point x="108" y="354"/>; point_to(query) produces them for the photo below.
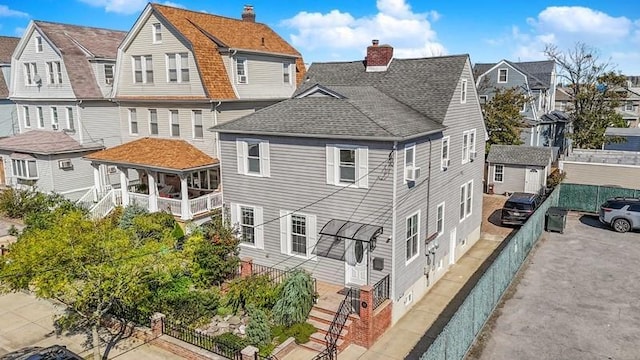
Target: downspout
<point x="393" y="220"/>
<point x="428" y="260"/>
<point x="80" y="127"/>
<point x="217" y="140"/>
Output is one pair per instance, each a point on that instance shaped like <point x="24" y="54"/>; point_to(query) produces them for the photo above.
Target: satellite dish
<point x="37" y="79"/>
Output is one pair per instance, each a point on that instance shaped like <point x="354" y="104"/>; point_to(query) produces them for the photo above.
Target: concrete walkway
<point x="398" y="341"/>
<point x="28" y="321"/>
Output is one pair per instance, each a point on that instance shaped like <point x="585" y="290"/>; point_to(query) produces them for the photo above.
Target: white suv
<point x="622" y="214"/>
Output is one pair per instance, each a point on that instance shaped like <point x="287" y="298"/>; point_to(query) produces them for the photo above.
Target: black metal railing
<point x="327" y="354"/>
<point x="380" y="292"/>
<point x="199" y="339"/>
<point x="275" y="275"/>
<point x="344" y="310"/>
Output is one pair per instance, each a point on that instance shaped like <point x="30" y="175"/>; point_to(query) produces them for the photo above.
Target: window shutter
<point x="284" y="232"/>
<point x="235" y="216"/>
<point x="313" y="236"/>
<point x="241" y="149"/>
<point x="363" y="167"/>
<point x="259" y="229"/>
<point x="264" y="159"/>
<point x="331" y="165"/>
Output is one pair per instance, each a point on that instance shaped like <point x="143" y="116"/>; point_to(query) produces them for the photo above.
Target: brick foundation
<point x="371" y="324"/>
<point x="246" y="267"/>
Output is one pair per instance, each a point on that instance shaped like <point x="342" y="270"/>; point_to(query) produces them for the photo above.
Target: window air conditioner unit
<point x="242" y="79"/>
<point x="412" y="173"/>
<point x="109" y="81"/>
<point x="65" y="164"/>
<point x="472" y="155"/>
<point x="445" y="163"/>
<point x="54" y="126"/>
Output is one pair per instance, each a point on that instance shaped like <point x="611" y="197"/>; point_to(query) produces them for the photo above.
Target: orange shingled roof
<point x="155" y="152"/>
<point x="233" y="33"/>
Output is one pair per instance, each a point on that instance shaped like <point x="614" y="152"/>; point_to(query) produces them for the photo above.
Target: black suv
<point x="622" y="214"/>
<point x="519" y="207"/>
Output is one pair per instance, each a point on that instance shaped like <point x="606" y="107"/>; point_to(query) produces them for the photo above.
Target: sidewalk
<point x="398" y="341"/>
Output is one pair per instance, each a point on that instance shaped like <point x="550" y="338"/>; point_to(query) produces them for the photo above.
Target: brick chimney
<point x="378" y="56"/>
<point x="248" y="14"/>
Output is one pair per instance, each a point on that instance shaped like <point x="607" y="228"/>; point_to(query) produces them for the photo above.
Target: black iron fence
<point x="380" y="292"/>
<point x="199" y="339"/>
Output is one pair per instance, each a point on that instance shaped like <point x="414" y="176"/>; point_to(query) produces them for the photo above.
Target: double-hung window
<point x="347" y="165"/>
<point x="54" y="117"/>
<point x="156" y="30"/>
<point x="178" y="67"/>
<point x="30" y="73"/>
<point x="468" y="145"/>
<point x="286" y="73"/>
<point x="241" y="71"/>
<point x="628" y="106"/>
<point x="133" y="122"/>
<point x="247" y="225"/>
<point x="153" y="121"/>
<point x="196" y="117"/>
<point x="25" y="169"/>
<point x="142" y="69"/>
<point x="412" y="236"/>
<point x="70" y="122"/>
<point x="40" y="117"/>
<point x="38" y="40"/>
<point x="498" y="173"/>
<point x="55" y="72"/>
<point x="409" y="162"/>
<point x="253" y="157"/>
<point x="445" y="153"/>
<point x="249" y="222"/>
<point x="27" y="118"/>
<point x="298" y="234"/>
<point x="440" y="219"/>
<point x="463" y="91"/>
<point x="466" y="200"/>
<point x="503" y="75"/>
<point x="108" y="73"/>
<point x="175" y="122"/>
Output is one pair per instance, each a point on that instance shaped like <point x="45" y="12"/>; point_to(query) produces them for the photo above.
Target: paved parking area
<point x="578" y="299"/>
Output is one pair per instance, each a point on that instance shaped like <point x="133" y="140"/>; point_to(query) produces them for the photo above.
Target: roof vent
<point x="248" y="14"/>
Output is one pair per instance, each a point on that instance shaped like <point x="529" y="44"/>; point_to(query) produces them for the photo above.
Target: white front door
<point x="355" y="262"/>
<point x="532" y="180"/>
<point x="452" y="245"/>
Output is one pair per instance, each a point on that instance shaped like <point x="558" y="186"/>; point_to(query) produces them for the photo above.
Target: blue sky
<point x="327" y="30"/>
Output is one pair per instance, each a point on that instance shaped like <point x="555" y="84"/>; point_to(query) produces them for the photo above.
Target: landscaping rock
<point x="235" y="320"/>
<point x="242" y="328"/>
<point x="223" y="325"/>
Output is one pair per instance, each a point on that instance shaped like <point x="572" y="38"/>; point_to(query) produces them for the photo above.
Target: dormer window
<point x="286" y="73"/>
<point x="241" y="70"/>
<point x="38" y="44"/>
<point x="157" y="33"/>
<point x="503" y="75"/>
<point x="108" y="74"/>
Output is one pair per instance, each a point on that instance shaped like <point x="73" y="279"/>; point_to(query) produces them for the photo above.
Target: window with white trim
<point x="40" y="117"/>
<point x="38" y="40"/>
<point x="484" y="99"/>
<point x="241" y="71"/>
<point x="468" y="145"/>
<point x="30" y="74"/>
<point x="54" y="117"/>
<point x="27" y="118"/>
<point x="249" y="221"/>
<point x="156" y="30"/>
<point x="498" y="173"/>
<point x="445" y="153"/>
<point x="466" y="200"/>
<point x="108" y="73"/>
<point x="178" y="67"/>
<point x="25" y="169"/>
<point x="133" y="121"/>
<point x="463" y="91"/>
<point x="153" y="121"/>
<point x="286" y="73"/>
<point x="409" y="159"/>
<point x="142" y="69"/>
<point x="196" y="118"/>
<point x="440" y="219"/>
<point x="628" y="106"/>
<point x="203" y="179"/>
<point x="347" y="165"/>
<point x="412" y="236"/>
<point x="55" y="72"/>
<point x="175" y="122"/>
<point x="70" y="122"/>
<point x="503" y="75"/>
<point x="298" y="234"/>
<point x="247" y="225"/>
<point x="253" y="157"/>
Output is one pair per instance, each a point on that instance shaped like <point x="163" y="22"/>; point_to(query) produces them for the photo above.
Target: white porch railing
<point x="205" y="203"/>
<point x="139" y="199"/>
<point x="103" y="206"/>
<point x="173" y="206"/>
<point x="87" y="200"/>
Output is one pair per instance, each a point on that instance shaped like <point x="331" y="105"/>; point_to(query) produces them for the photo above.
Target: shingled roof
<point x="45" y="143"/>
<point x="520" y="155"/>
<point x="538" y="72"/>
<point x="209" y="33"/>
<point x="7" y="45"/>
<point x="78" y="45"/>
<point x="410" y="99"/>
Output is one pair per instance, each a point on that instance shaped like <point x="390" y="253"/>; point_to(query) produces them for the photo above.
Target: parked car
<point x="519" y="207"/>
<point x="55" y="352"/>
<point x="622" y="214"/>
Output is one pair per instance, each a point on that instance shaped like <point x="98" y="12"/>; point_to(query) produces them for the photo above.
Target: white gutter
<point x="393" y="221"/>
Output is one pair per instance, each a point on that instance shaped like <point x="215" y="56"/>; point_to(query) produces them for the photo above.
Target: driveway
<point x="27" y="321"/>
<point x="579" y="298"/>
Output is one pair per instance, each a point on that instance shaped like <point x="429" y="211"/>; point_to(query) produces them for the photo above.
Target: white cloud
<point x="126" y="7"/>
<point x="337" y="32"/>
<point x="582" y="21"/>
<point x="5" y="11"/>
<point x="171" y="3"/>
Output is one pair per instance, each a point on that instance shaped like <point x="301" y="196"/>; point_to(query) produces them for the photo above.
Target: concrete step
<point x="314" y="346"/>
<point x="325" y="317"/>
<point x="319" y="339"/>
<point x="326" y="307"/>
<point x="324" y="328"/>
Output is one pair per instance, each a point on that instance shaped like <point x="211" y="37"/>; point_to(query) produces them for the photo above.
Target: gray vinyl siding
<point x="46" y="90"/>
<point x="99" y="122"/>
<point x="98" y="68"/>
<point x="444" y="187"/>
<point x="298" y="178"/>
<point x="264" y="76"/>
<point x="514" y="178"/>
<point x="46" y="106"/>
<point x="142" y="44"/>
<point x="514" y="79"/>
<point x="79" y="176"/>
<point x="632" y="143"/>
<point x="597" y="174"/>
<point x="8" y="118"/>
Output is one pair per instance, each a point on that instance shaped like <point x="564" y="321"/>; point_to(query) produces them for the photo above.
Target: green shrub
<point x="231" y="341"/>
<point x="296" y="299"/>
<point x="224" y="311"/>
<point x="257" y="290"/>
<point x="258" y="331"/>
<point x="129" y="213"/>
<point x="300" y="331"/>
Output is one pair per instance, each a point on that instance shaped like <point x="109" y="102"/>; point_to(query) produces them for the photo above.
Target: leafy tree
<point x="503" y="118"/>
<point x="597" y="91"/>
<point x="92" y="267"/>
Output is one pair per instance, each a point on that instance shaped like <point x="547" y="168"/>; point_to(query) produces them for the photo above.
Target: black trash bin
<point x="556" y="219"/>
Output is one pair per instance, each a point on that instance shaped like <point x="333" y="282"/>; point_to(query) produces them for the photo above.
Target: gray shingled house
<point x="372" y="170"/>
<point x="8" y="115"/>
<point x="518" y="168"/>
